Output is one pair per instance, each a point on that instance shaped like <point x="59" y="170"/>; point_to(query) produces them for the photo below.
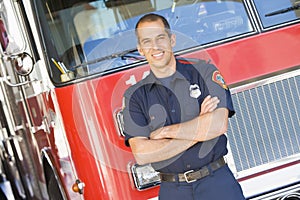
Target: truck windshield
<point x="90" y="37"/>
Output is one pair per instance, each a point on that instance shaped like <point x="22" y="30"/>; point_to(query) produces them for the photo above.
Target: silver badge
<point x="195" y="91"/>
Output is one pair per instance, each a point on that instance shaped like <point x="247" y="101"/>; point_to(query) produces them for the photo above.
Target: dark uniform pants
<point x="220" y="184"/>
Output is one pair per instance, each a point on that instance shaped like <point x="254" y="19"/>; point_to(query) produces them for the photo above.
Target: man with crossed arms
<point x="176" y="117"/>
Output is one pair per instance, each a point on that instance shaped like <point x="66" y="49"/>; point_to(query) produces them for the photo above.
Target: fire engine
<point x="65" y="65"/>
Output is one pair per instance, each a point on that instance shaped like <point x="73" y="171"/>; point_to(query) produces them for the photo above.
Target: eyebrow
<point x="162" y="34"/>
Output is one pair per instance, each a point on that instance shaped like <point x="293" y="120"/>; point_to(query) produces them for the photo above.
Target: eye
<point x="161" y="37"/>
<point x="146" y="42"/>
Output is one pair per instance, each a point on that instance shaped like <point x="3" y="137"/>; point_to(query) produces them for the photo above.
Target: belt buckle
<point x="186" y="178"/>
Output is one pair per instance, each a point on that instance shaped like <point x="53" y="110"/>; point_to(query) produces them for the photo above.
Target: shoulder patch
<point x="218" y="78"/>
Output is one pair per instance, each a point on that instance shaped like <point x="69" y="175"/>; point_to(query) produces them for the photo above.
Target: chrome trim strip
<point x="262" y="82"/>
<point x="265" y="167"/>
<point x="253" y="15"/>
<point x="266" y="188"/>
<point x="119" y="123"/>
<point x="281" y="25"/>
<point x="272" y="185"/>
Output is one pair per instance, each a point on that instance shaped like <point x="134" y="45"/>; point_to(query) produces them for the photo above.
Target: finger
<point x="206" y="99"/>
<point x="210" y="101"/>
<point x="214" y="99"/>
<point x="211" y="105"/>
<point x="205" y="104"/>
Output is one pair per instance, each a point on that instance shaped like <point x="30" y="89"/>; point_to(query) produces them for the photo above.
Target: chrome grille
<point x="266" y="126"/>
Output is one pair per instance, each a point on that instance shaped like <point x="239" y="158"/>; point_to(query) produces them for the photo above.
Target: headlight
<point x="145" y="176"/>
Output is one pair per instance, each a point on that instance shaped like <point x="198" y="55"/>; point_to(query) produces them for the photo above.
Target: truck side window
<point x="278" y="12"/>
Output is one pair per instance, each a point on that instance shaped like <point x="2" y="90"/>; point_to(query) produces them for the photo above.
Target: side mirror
<point x="23" y="63"/>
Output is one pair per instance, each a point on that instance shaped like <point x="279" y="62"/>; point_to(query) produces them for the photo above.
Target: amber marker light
<point x="78" y="187"/>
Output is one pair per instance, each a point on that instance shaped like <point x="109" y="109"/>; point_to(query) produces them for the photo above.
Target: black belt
<point x="191" y="175"/>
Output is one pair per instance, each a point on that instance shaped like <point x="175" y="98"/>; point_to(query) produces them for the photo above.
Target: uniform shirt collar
<point x="152" y="80"/>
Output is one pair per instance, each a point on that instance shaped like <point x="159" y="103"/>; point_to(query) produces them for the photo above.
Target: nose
<point x="154" y="44"/>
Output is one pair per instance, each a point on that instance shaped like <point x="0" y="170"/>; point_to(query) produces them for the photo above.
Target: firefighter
<point x="176" y="117"/>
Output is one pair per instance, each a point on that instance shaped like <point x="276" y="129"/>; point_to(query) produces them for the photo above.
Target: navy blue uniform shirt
<point x="153" y="103"/>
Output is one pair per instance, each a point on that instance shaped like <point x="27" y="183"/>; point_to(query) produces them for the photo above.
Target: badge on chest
<point x="195" y="91"/>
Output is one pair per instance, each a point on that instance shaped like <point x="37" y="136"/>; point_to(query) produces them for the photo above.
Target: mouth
<point x="158" y="55"/>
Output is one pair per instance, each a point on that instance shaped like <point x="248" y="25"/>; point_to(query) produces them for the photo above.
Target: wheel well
<point x="54" y="187"/>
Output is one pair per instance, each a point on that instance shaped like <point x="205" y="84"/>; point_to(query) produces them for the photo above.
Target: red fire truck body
<point x="62" y="127"/>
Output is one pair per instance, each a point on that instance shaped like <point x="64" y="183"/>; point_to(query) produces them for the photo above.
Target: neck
<point x="166" y="71"/>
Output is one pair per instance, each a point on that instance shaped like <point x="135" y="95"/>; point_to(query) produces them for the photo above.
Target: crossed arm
<point x="166" y="142"/>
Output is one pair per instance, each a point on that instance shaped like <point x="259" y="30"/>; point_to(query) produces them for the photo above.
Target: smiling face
<point x="156" y="45"/>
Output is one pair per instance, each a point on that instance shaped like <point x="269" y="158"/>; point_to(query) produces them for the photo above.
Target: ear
<point x="173" y="40"/>
<point x="140" y="50"/>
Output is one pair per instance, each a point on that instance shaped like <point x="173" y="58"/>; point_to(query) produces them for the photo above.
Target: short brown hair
<point x="151" y="17"/>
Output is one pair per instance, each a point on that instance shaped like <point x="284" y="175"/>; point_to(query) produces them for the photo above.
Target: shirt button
<point x="173" y="110"/>
<point x="188" y="166"/>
